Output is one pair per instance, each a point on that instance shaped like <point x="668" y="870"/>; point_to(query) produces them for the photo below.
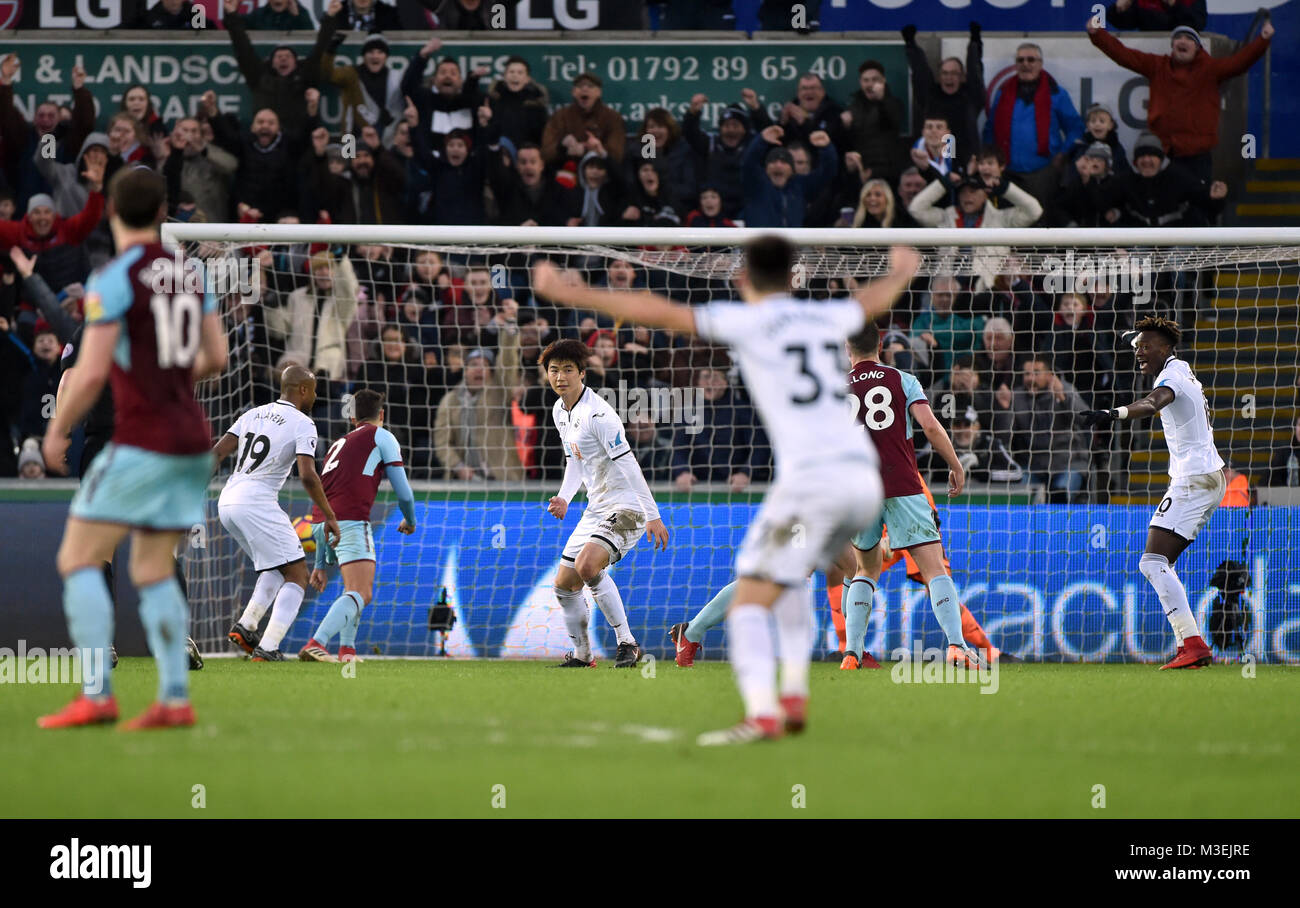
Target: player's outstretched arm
<point x="316" y="491"/>
<point x="880" y="295"/>
<point x="1153" y="403"/>
<point x="83" y="387"/>
<point x="644" y="308"/>
<point x="938" y="437"/>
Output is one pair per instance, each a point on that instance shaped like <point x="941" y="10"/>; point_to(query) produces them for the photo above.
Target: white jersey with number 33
<point x="1186" y="422"/>
<point x="270" y="439"/>
<point x="791" y="355"/>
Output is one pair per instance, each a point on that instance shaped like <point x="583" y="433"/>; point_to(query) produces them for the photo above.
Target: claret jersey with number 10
<point x="152" y="377"/>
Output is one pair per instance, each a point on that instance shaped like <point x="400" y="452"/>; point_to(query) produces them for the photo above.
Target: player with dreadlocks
<point x="1196" y="475"/>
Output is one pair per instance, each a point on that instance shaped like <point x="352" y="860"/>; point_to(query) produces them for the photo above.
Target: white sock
<point x="574" y="607"/>
<point x="287" y="602"/>
<point x="1172" y="593"/>
<point x="268" y="584"/>
<point x="605" y="592"/>
<point x="752" y="652"/>
<point x="794" y="624"/>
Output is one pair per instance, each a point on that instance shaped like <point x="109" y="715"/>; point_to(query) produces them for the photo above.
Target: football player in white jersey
<point x="791" y="355"/>
<point x="619" y="504"/>
<point x="1196" y="477"/>
<point x="270" y="439"/>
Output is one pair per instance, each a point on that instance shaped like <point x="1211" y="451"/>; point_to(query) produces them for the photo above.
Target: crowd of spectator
<point x="454" y="341"/>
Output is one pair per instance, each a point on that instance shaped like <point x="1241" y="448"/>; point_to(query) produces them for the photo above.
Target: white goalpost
<point x="1011" y="332"/>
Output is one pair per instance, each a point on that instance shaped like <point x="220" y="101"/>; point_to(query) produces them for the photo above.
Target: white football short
<point x="1188" y="503"/>
<point x="616" y="532"/>
<point x="264" y="532"/>
<point x="806" y="520"/>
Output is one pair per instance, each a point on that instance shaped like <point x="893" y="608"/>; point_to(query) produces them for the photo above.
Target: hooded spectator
<point x="720" y="154"/>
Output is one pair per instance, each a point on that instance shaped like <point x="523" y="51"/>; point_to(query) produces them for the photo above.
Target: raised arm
<point x="644" y="308"/>
<point x="877" y="297"/>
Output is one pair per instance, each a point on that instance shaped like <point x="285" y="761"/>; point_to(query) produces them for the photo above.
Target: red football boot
<point x="82" y="711"/>
<point x="686" y="650"/>
<point x="1192" y="654"/>
<point x="796" y="713"/>
<point x="760" y="728"/>
<point x="160" y="715"/>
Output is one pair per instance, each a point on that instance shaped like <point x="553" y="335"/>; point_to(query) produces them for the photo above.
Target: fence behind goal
<point x="1011" y="332"/>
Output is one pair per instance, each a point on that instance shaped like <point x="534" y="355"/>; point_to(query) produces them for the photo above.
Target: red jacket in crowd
<point x="65" y="231"/>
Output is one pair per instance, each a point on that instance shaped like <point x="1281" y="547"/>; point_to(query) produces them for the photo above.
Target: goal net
<point x="1011" y="333"/>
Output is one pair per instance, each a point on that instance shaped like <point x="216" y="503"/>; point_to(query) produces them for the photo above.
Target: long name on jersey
<point x="881" y="398"/>
<point x="270" y="439"/>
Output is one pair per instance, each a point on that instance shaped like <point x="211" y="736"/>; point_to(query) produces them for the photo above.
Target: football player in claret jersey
<point x="791" y="355"/>
<point x="619" y="504"/>
<point x="270" y="439"/>
<point x="153" y="338"/>
<point x="1196" y="476"/>
<point x="354" y="467"/>
<point x="883" y="400"/>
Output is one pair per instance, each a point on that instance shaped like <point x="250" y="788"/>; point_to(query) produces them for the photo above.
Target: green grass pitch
<point x="434" y="739"/>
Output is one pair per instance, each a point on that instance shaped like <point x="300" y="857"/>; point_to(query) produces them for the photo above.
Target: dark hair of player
<point x="768" y="260"/>
<point x="367" y="404"/>
<point x="1164" y="326"/>
<point x="566" y="351"/>
<point x="867" y="341"/>
<point x="138" y="196"/>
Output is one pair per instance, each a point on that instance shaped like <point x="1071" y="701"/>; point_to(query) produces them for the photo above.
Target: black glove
<point x="909" y="35"/>
<point x="974" y="31"/>
<point x="1099" y="418"/>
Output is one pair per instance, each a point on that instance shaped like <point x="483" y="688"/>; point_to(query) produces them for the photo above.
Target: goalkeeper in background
<point x="1196" y="476"/>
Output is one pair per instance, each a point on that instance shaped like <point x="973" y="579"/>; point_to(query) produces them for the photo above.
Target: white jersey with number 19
<point x="792" y="357"/>
<point x="270" y="439"/>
